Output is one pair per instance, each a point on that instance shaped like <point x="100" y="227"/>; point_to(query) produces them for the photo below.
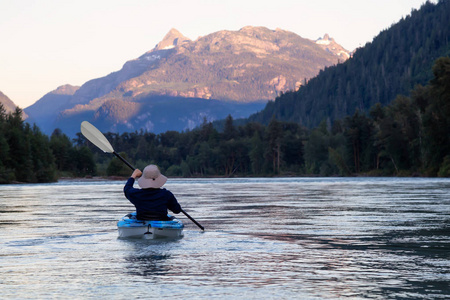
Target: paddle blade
<point x="96" y="137"/>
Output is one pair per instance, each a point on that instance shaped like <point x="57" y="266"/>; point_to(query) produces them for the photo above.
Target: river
<point x="265" y="238"/>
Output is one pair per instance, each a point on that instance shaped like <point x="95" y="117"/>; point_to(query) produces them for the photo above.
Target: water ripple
<point x="301" y="238"/>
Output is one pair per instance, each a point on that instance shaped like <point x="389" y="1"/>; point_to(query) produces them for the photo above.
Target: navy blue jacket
<point x="151" y="204"/>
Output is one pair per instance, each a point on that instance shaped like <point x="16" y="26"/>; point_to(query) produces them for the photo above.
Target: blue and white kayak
<point x="130" y="227"/>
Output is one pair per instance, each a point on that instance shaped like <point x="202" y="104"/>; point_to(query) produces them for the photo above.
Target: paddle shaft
<point x="192" y="219"/>
<point x="124" y="161"/>
<point x="182" y="210"/>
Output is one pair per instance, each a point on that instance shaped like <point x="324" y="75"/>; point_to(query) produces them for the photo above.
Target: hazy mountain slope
<point x="46" y="109"/>
<point x="156" y="114"/>
<point x="7" y="103"/>
<point x="10" y="106"/>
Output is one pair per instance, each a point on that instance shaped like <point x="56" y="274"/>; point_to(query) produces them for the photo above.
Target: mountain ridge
<point x="172" y="39"/>
<point x="329" y="44"/>
<point x="253" y="64"/>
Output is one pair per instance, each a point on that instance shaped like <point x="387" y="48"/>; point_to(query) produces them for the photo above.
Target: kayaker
<point x="151" y="201"/>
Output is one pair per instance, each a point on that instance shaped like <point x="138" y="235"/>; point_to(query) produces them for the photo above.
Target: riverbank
<point x="93" y="178"/>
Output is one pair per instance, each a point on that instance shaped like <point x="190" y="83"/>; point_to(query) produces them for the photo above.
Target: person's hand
<point x="136" y="173"/>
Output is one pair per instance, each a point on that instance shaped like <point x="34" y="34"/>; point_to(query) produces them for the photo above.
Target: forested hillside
<point x="397" y="59"/>
<point x="411" y="136"/>
<point x="28" y="155"/>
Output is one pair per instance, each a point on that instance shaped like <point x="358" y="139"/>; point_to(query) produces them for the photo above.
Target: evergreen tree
<point x="61" y="147"/>
<point x="19" y="147"/>
<point x="316" y="150"/>
<point x="256" y="154"/>
<point x="436" y="118"/>
<point x="83" y="161"/>
<point x="274" y="136"/>
<point x="229" y="131"/>
<point x="43" y="162"/>
<point x="359" y="133"/>
<point x="6" y="174"/>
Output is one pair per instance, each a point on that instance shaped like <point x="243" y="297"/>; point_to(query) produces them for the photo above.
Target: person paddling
<point x="151" y="201"/>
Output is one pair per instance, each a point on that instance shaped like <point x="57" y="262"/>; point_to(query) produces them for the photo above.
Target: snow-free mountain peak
<point x="171" y="39"/>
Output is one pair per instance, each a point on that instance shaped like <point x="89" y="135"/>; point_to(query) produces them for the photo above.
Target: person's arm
<point x="129" y="185"/>
<point x="173" y="204"/>
<point x="136" y="174"/>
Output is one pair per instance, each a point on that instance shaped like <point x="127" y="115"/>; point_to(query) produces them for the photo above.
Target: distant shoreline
<point x="123" y="178"/>
<point x="93" y="178"/>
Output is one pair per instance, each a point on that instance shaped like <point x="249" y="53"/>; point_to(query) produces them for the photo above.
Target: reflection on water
<point x="278" y="238"/>
<point x="148" y="258"/>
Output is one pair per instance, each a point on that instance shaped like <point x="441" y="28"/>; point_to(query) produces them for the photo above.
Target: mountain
<point x="244" y="69"/>
<point x="172" y="39"/>
<point x="43" y="112"/>
<point x="395" y="61"/>
<point x="10" y="106"/>
<point x="329" y="44"/>
<point x="7" y="103"/>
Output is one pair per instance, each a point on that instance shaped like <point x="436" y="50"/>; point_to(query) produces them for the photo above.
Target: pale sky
<point x="49" y="43"/>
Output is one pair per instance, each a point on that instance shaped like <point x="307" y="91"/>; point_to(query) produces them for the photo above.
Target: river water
<point x="275" y="238"/>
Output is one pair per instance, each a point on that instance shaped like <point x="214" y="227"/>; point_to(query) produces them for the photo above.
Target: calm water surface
<point x="296" y="238"/>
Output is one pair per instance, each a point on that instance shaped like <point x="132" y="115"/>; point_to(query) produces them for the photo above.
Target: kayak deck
<point x="130" y="227"/>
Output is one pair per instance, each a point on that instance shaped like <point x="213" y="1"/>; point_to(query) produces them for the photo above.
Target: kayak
<point x="130" y="227"/>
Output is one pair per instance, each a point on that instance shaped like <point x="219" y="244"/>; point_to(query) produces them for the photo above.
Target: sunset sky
<point x="49" y="43"/>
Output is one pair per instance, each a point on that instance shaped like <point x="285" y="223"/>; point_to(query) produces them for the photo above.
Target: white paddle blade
<point x="96" y="137"/>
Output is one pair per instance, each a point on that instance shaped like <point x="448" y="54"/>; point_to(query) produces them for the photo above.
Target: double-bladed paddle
<point x="98" y="139"/>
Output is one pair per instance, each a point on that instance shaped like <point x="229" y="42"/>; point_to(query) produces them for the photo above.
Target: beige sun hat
<point x="152" y="178"/>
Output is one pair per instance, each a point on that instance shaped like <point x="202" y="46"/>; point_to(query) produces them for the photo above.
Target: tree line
<point x="28" y="155"/>
<point x="410" y="136"/>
